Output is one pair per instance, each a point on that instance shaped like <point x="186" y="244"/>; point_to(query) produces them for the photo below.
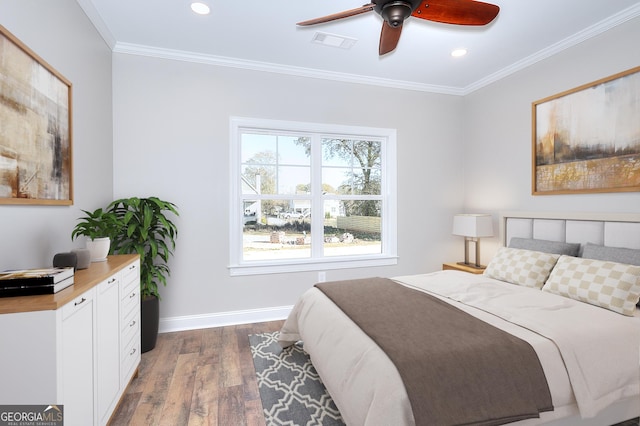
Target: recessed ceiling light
<point x="456" y="53"/>
<point x="333" y="40"/>
<point x="200" y="8"/>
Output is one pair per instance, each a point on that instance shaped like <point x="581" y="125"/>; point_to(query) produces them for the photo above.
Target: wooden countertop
<point x="84" y="279"/>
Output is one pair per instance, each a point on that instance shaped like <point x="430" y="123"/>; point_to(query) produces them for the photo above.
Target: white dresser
<point x="78" y="348"/>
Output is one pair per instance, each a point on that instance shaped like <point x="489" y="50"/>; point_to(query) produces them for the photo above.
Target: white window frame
<point x="388" y="255"/>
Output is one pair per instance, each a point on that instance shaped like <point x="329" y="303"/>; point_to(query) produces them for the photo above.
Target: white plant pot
<point x="99" y="248"/>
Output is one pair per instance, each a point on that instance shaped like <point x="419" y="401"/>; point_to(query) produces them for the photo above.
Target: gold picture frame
<point x="35" y="128"/>
<point x="587" y="139"/>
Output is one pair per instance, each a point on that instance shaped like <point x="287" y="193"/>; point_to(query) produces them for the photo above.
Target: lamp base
<point x="471" y="265"/>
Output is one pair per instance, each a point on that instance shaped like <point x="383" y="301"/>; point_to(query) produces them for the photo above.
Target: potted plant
<point x="98" y="227"/>
<point x="146" y="230"/>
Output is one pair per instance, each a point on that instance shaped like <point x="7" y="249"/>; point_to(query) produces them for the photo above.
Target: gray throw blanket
<point x="457" y="369"/>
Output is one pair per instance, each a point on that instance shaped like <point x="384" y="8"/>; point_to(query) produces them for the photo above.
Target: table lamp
<point x="472" y="227"/>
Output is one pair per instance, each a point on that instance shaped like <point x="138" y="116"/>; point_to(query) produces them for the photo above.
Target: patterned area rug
<point x="290" y="389"/>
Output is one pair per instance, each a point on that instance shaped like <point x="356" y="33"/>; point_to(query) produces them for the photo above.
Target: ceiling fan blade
<point x="347" y="13"/>
<point x="389" y="38"/>
<point x="459" y="12"/>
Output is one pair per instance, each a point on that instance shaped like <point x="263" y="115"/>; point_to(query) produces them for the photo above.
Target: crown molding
<point x="577" y="38"/>
<point x="92" y="13"/>
<point x="180" y="55"/>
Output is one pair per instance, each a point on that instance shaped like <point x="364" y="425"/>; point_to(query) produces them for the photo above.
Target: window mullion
<point x="317" y="200"/>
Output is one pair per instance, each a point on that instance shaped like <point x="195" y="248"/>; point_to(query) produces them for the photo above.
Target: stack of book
<point x="28" y="282"/>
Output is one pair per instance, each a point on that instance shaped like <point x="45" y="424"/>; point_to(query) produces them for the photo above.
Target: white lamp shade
<point x="473" y="225"/>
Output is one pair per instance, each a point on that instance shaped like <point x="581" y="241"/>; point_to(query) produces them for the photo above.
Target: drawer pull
<point x="81" y="301"/>
<point x="132" y="323"/>
<point x="133" y="351"/>
<point x="132" y="267"/>
<point x="112" y="280"/>
<point x="132" y="295"/>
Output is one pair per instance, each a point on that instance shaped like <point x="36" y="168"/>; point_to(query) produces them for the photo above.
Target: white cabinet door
<point x="108" y="350"/>
<point x="78" y="351"/>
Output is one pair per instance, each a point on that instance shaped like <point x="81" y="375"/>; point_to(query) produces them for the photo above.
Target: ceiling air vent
<point x="333" y="40"/>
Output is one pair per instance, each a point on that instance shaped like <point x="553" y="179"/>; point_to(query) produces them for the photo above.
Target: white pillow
<point x="522" y="267"/>
<point x="610" y="285"/>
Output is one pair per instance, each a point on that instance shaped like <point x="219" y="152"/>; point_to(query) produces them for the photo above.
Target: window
<point x="308" y="196"/>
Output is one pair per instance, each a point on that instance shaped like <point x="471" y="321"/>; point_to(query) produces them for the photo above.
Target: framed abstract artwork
<point x="587" y="139"/>
<point x="35" y="128"/>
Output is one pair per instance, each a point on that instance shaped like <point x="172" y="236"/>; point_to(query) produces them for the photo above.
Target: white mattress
<point x="368" y="390"/>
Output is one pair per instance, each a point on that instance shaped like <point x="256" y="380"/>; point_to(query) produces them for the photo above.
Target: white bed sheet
<point x="368" y="390"/>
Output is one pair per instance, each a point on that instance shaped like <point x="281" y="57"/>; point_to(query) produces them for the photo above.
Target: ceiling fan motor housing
<point x="396" y="11"/>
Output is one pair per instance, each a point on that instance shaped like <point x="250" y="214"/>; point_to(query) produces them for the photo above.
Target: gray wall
<point x="171" y="139"/>
<point x="161" y="127"/>
<point x="498" y="128"/>
<point x="60" y="33"/>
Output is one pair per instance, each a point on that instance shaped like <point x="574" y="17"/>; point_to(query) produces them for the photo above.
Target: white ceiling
<point x="263" y="35"/>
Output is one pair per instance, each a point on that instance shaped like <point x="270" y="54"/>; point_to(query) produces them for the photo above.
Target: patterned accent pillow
<point x="523" y="267"/>
<point x="610" y="285"/>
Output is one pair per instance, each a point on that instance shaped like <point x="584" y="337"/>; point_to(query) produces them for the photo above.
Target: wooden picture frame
<point x="35" y="128"/>
<point x="587" y="139"/>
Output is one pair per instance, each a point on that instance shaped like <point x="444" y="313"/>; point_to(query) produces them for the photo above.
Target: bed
<point x="586" y="340"/>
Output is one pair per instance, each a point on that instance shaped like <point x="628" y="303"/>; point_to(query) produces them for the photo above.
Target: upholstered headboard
<point x="607" y="229"/>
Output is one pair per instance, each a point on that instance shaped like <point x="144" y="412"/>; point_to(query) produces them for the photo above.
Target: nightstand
<point x="463" y="268"/>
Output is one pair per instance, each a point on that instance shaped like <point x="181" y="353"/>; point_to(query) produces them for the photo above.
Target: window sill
<point x="310" y="265"/>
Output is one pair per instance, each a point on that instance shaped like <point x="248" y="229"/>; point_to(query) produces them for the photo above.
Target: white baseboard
<point x="193" y="322"/>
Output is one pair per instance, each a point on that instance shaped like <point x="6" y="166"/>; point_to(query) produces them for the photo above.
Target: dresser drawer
<point x="78" y="303"/>
<point x="130" y="300"/>
<point x="129" y="285"/>
<point x="131" y="273"/>
<point x="130" y="358"/>
<point x="130" y="326"/>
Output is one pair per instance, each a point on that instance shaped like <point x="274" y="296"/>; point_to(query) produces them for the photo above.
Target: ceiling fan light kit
<point x="395" y="12"/>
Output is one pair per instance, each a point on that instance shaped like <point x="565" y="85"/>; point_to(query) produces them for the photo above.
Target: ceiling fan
<point x="394" y="13"/>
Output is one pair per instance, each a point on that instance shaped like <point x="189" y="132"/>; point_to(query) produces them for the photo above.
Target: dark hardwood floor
<point x="196" y="377"/>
